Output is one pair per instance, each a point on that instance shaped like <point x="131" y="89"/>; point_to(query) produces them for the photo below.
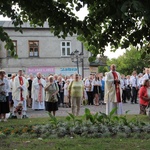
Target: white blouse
<point x="5" y="87"/>
<point x="66" y="89"/>
<point x="96" y="82"/>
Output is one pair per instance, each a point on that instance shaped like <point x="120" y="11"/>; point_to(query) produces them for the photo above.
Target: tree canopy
<point x="131" y="60"/>
<point x="118" y="22"/>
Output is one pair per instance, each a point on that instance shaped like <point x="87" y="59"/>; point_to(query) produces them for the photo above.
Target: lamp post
<point x="76" y="57"/>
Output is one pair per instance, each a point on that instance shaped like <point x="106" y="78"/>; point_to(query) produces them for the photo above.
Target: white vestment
<point x="17" y="92"/>
<point x="110" y="97"/>
<point x="36" y="103"/>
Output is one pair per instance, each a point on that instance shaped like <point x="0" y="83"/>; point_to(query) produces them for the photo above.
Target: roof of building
<point x="9" y="24"/>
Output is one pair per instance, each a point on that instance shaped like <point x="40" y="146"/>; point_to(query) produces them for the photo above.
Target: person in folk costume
<point x="113" y="92"/>
<point x="38" y="92"/>
<point x="20" y="93"/>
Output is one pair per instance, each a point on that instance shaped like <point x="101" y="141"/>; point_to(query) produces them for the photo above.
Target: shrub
<point x="91" y="125"/>
<point x="2" y="135"/>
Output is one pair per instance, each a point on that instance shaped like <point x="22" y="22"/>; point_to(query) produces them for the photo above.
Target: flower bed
<point x="95" y="126"/>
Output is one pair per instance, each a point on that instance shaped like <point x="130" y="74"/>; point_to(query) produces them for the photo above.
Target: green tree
<point x="131" y="60"/>
<point x="118" y="22"/>
<point x="103" y="69"/>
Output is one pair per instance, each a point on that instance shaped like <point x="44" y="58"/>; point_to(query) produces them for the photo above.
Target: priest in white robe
<point x="113" y="92"/>
<point x="19" y="93"/>
<point x="38" y="93"/>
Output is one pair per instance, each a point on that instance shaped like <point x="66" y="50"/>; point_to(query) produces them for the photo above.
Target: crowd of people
<point x="49" y="93"/>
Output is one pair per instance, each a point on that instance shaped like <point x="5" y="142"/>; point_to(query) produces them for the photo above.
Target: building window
<point x="33" y="48"/>
<point x="65" y="48"/>
<point x="15" y="49"/>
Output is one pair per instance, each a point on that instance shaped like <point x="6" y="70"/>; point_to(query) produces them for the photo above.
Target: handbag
<point x="2" y="98"/>
<point x="85" y="102"/>
<point x="52" y="99"/>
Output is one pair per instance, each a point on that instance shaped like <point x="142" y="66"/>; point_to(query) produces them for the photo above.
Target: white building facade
<point x="39" y="50"/>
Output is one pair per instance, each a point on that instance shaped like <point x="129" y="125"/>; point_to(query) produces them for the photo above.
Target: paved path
<point x="133" y="109"/>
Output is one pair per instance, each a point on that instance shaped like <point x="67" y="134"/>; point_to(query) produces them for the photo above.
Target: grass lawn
<point x="76" y="143"/>
<point x="29" y="121"/>
<point x="34" y="121"/>
<point x="68" y="143"/>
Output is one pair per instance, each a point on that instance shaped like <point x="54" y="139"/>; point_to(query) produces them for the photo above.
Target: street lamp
<point x="76" y="57"/>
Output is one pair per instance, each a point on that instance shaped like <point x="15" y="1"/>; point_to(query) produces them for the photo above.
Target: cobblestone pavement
<point x="132" y="108"/>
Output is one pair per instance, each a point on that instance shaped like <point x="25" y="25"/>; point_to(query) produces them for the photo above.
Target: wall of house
<point x="49" y="53"/>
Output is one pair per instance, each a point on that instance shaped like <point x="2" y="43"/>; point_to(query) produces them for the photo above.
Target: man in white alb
<point x="38" y="92"/>
<point x="20" y="93"/>
<point x="113" y="92"/>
